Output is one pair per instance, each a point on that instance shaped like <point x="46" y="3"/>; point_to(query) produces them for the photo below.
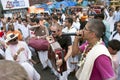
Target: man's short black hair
<point x="24" y="20"/>
<point x="114" y="44"/>
<point x="99" y="16"/>
<point x="55" y="17"/>
<point x="70" y="20"/>
<point x="35" y="20"/>
<point x="9" y="18"/>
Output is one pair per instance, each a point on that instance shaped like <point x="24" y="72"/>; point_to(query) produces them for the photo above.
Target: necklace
<point x="86" y="51"/>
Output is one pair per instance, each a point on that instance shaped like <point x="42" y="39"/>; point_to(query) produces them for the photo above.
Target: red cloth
<point x="1" y="33"/>
<point x="38" y="44"/>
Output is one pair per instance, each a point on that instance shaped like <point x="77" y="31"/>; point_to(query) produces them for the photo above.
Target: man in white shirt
<point x="18" y="51"/>
<point x="116" y="34"/>
<point x="1" y="23"/>
<point x="70" y="29"/>
<point x="76" y="22"/>
<point x="117" y="14"/>
<point x="111" y="21"/>
<point x="25" y="30"/>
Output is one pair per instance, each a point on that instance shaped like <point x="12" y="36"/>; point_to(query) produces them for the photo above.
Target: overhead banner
<point x="14" y="4"/>
<point x="32" y="9"/>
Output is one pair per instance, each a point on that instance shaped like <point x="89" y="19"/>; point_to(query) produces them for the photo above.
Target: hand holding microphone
<point x="79" y="34"/>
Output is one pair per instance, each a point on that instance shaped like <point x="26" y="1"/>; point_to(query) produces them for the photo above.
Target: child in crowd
<point x="114" y="48"/>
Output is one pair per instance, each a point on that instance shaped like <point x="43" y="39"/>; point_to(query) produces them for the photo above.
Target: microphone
<point x="70" y="34"/>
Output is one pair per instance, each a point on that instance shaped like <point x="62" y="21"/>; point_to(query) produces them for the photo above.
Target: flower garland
<point x="86" y="51"/>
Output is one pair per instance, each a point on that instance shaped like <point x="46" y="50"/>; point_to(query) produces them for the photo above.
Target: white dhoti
<point x="32" y="73"/>
<point x="64" y="76"/>
<point x="43" y="56"/>
<point x="71" y="64"/>
<point x="2" y="52"/>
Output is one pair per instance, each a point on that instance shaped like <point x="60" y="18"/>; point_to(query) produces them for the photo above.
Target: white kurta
<point x="32" y="73"/>
<point x="24" y="55"/>
<point x="23" y="58"/>
<point x="25" y="31"/>
<point x="116" y="36"/>
<point x="70" y="67"/>
<point x="111" y="21"/>
<point x="71" y="30"/>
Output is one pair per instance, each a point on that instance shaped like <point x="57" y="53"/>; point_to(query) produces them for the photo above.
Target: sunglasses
<point x="52" y="31"/>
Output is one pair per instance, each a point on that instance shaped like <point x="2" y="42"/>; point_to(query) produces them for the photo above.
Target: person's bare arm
<point x="17" y="53"/>
<point x="69" y="53"/>
<point x="75" y="47"/>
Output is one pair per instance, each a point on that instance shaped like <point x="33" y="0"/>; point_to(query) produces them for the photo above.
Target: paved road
<point x="46" y="74"/>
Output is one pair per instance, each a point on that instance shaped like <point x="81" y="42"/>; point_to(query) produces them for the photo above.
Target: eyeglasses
<point x="88" y="29"/>
<point x="52" y="31"/>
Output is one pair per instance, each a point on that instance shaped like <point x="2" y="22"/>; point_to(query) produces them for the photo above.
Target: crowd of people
<point x="93" y="52"/>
